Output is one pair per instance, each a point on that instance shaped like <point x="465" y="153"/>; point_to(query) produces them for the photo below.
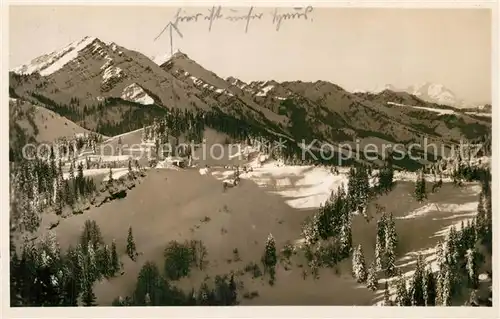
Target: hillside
<point x="160" y="209"/>
<point x="41" y="123"/>
<point x="33" y="123"/>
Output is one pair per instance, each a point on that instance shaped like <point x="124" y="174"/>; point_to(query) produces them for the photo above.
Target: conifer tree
<point x="324" y="215"/>
<point x="131" y="249"/>
<point x="310" y="230"/>
<point x="91" y="233"/>
<point x="358" y="265"/>
<point x="363" y="189"/>
<point x="401" y="292"/>
<point x="387" y="296"/>
<point x="417" y="289"/>
<point x="110" y="176"/>
<point x="446" y="288"/>
<point x="115" y="262"/>
<point x="380" y="243"/>
<point x="440" y="254"/>
<point x="429" y="288"/>
<point x="270" y="258"/>
<point x="68" y="194"/>
<point x="71" y="171"/>
<point x="452" y="253"/>
<point x="439" y="287"/>
<point x="143" y="134"/>
<point x="91" y="267"/>
<point x="53" y="168"/>
<point x="386" y="176"/>
<point x="473" y="300"/>
<point x="79" y="178"/>
<point x="390" y="246"/>
<point x="232" y="291"/>
<point x="352" y="190"/>
<point x="130" y="167"/>
<point x="489" y="225"/>
<point x="345" y="233"/>
<point x="88" y="296"/>
<point x="104" y="262"/>
<point x="471" y="267"/>
<point x="59" y="200"/>
<point x="372" y="280"/>
<point x="481" y="216"/>
<point x="420" y="192"/>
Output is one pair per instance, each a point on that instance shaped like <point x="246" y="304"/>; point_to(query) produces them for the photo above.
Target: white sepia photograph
<point x="219" y="155"/>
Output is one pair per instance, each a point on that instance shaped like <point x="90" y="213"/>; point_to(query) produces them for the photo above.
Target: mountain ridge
<point x="110" y="89"/>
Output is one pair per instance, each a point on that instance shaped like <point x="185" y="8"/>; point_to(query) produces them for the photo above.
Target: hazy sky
<point x="354" y="48"/>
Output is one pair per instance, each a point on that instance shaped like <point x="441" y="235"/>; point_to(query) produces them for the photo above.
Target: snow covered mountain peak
<point x="163" y="58"/>
<point x="52" y="62"/>
<point x="160" y="59"/>
<point x="427" y="91"/>
<point x="436" y="93"/>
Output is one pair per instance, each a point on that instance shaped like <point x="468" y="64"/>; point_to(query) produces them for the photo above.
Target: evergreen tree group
<point x="152" y="289"/>
<point x="386" y="244"/>
<point x="358" y="189"/>
<point x="386" y="176"/>
<point x="420" y="190"/>
<point x="38" y="185"/>
<point x="458" y="260"/>
<point x="44" y="276"/>
<point x="331" y="223"/>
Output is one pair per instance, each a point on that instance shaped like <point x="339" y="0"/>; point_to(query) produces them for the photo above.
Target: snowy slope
<point x="52" y="62"/>
<point x="135" y="93"/>
<point x="303" y="187"/>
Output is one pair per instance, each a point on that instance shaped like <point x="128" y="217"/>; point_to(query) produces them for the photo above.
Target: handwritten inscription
<point x="217" y="13"/>
<point x="300" y="13"/>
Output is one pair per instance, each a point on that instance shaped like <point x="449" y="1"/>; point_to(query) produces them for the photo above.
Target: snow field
<point x="303" y="187"/>
<point x="135" y="93"/>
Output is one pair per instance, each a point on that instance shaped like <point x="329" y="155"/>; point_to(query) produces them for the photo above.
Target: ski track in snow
<point x="433" y="207"/>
